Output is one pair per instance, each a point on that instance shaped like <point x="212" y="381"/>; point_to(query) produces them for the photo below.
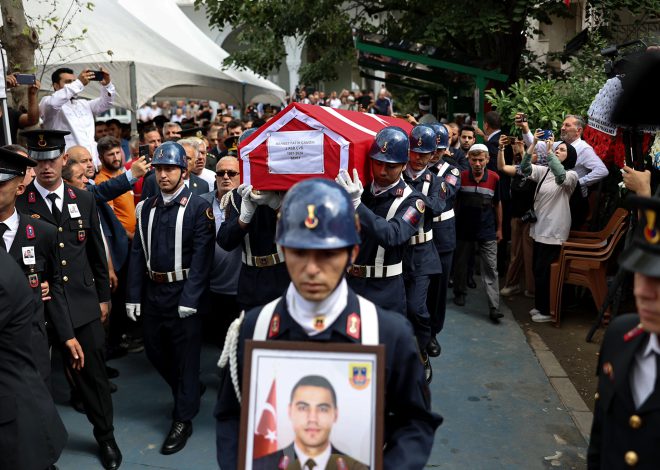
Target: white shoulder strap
<point x="369" y="319"/>
<point x="263" y="321"/>
<point x="178" y="236"/>
<point x="443" y="169"/>
<point x="380" y="251"/>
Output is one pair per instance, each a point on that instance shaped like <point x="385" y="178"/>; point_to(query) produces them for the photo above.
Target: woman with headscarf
<point x="552" y="211"/>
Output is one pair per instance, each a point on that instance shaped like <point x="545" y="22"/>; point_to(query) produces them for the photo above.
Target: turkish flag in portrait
<point x="265" y="436"/>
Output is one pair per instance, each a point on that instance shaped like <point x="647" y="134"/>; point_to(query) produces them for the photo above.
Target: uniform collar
<point x="386" y="189"/>
<point x="45" y="192"/>
<point x="652" y="346"/>
<point x="12" y="221"/>
<point x="305" y="313"/>
<point x="181" y="197"/>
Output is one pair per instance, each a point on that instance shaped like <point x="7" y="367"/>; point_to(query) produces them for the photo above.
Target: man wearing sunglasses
<point x="226" y="264"/>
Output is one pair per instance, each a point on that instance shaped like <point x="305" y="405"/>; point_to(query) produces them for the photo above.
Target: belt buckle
<point x="159" y="277"/>
<point x="262" y="261"/>
<point x="359" y="271"/>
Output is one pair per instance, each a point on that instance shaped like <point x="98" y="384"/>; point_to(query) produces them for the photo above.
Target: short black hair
<point x="146" y="130"/>
<point x="315" y="381"/>
<point x="111" y="122"/>
<point x="468" y="128"/>
<point x="493" y="119"/>
<point x="55" y="77"/>
<point x="100" y="123"/>
<point x="234" y="123"/>
<point x="67" y="169"/>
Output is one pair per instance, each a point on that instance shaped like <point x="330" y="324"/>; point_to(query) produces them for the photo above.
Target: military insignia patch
<point x="183" y="200"/>
<point x="209" y="213"/>
<point x="319" y="323"/>
<point x="341" y="464"/>
<point x="455" y="172"/>
<point x="427" y="177"/>
<point x="35" y="216"/>
<point x="451" y="179"/>
<point x="311" y="222"/>
<point x="419" y="142"/>
<point x="33" y="279"/>
<point x="634" y="333"/>
<point x="399" y="192"/>
<point x="82" y="235"/>
<point x="651" y="233"/>
<point x="353" y="326"/>
<point x="284" y="462"/>
<point x="29" y="231"/>
<point x="72" y="194"/>
<point x="42" y="141"/>
<point x="32" y="198"/>
<point x="359" y="375"/>
<point x="412" y="216"/>
<point x="274" y="325"/>
<point x="419" y="205"/>
<point x="383" y="149"/>
<point x="608" y="370"/>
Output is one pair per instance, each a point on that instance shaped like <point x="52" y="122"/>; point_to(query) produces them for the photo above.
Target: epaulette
<point x="634" y="333"/>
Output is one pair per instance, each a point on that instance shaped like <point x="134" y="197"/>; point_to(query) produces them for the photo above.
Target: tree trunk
<point x="20" y="46"/>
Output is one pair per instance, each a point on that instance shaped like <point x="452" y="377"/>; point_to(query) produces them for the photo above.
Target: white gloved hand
<point x="133" y="311"/>
<point x="248" y="205"/>
<point x="353" y="187"/>
<point x="186" y="311"/>
<point x="272" y="199"/>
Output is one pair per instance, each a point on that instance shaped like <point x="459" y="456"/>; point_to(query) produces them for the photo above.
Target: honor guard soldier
<point x="168" y="273"/>
<point x="444" y="235"/>
<point x="250" y="221"/>
<point x="390" y="214"/>
<point x="32" y="434"/>
<point x="318" y="232"/>
<point x="626" y="426"/>
<point x="84" y="273"/>
<point x="420" y="259"/>
<point x="32" y="244"/>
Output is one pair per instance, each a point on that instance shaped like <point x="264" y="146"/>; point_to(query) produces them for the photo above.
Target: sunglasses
<point x="230" y="173"/>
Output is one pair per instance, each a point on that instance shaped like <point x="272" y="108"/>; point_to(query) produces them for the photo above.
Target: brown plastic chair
<point x="585" y="262"/>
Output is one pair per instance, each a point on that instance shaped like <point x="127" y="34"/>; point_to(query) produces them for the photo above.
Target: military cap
<point x="192" y="132"/>
<point x="643" y="254"/>
<point x="45" y="144"/>
<point x="13" y="164"/>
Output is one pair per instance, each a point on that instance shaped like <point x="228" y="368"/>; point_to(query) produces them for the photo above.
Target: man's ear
<point x="65" y="158"/>
<point x="20" y="189"/>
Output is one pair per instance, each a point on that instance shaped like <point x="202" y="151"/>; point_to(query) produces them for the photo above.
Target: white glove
<point x="133" y="311"/>
<point x="353" y="188"/>
<point x="248" y="205"/>
<point x="186" y="311"/>
<point x="272" y="199"/>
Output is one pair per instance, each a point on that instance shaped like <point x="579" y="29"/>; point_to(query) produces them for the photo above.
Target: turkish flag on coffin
<point x="265" y="436"/>
<point x="305" y="141"/>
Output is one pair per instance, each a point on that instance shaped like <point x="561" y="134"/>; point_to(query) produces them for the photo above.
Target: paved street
<point x="499" y="407"/>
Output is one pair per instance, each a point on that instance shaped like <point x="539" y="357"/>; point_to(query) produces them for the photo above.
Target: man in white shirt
<point x="63" y="110"/>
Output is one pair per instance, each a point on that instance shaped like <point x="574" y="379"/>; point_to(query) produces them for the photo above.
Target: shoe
<point x="470" y="283"/>
<point x="510" y="290"/>
<point x="495" y="315"/>
<point x="534" y="311"/>
<point x="177" y="437"/>
<point x="540" y="318"/>
<point x="428" y="370"/>
<point x="529" y="295"/>
<point x="113" y="387"/>
<point x="111" y="372"/>
<point x="132" y="345"/>
<point x="110" y="454"/>
<point x="77" y="403"/>
<point x="459" y="299"/>
<point x="434" y="349"/>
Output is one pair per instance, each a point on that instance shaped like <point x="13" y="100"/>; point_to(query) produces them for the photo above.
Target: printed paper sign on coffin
<point x="306" y="141"/>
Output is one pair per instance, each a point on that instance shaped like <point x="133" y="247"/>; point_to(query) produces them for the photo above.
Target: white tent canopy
<point x="186" y="35"/>
<point x="141" y="61"/>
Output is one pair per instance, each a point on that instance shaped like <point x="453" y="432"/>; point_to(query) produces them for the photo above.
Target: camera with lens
<point x="529" y="216"/>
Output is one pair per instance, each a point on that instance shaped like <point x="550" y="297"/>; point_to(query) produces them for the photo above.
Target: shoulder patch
<point x="399" y="192"/>
<point x="29" y="232"/>
<point x="72" y="194"/>
<point x="412" y="216"/>
<point x="32" y="197"/>
<point x="427" y="176"/>
<point x="274" y="325"/>
<point x="455" y="172"/>
<point x="450" y="179"/>
<point x="419" y="205"/>
<point x="353" y="326"/>
<point x="209" y="213"/>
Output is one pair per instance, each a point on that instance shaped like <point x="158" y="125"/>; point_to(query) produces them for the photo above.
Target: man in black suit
<point x="32" y="435"/>
<point x="31" y="243"/>
<point x="313" y="412"/>
<point x="626" y="426"/>
<point x="84" y="272"/>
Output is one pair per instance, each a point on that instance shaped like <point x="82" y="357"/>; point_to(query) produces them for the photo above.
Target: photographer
<point x="550" y="216"/>
<point x="18" y="120"/>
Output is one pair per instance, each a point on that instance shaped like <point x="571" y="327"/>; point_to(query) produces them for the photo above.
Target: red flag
<point x="265" y="436"/>
<point x="568" y="3"/>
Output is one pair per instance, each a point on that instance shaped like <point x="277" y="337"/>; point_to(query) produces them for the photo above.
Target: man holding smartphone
<point x="63" y="110"/>
<point x="18" y="120"/>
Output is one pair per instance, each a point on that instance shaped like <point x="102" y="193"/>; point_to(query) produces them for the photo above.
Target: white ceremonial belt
<point x="446" y="215"/>
<point x="172" y="276"/>
<point x="375" y="271"/>
<point x="421" y="238"/>
<point x="262" y="261"/>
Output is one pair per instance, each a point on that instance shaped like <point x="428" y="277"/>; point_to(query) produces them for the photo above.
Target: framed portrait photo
<point x="309" y="405"/>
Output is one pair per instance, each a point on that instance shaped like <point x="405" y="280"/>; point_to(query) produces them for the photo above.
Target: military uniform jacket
<point x="197" y="253"/>
<point x="41" y="237"/>
<point x="150" y="187"/>
<point x="622" y="432"/>
<point x="422" y="259"/>
<point x="82" y="260"/>
<point x="444" y="231"/>
<point x="256" y="285"/>
<point x="32" y="434"/>
<point x="409" y="422"/>
<point x="286" y="459"/>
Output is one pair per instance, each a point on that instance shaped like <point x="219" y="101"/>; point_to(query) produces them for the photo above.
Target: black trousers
<point x="220" y="310"/>
<point x="416" y="292"/>
<point x="92" y="381"/>
<point x="436" y="300"/>
<point x="544" y="256"/>
<point x="173" y="346"/>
